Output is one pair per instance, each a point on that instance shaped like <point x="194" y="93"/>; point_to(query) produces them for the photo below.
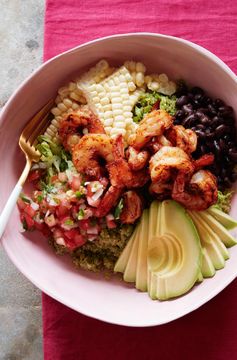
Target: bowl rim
<point x="208" y="54"/>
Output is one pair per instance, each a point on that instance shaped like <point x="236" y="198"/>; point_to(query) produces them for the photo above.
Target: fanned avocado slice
<point x="224" y="219"/>
<point x="219" y="229"/>
<point x="122" y="261"/>
<point x="181" y="275"/>
<point x="141" y="271"/>
<point x="212" y="244"/>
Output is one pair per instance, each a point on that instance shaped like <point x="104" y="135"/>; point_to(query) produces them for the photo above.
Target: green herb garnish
<point x="81" y="214"/>
<point x="118" y="209"/>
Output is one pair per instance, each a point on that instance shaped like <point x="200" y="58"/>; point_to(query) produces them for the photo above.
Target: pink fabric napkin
<point x="209" y="332"/>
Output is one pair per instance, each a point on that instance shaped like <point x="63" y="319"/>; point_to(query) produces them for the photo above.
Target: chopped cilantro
<point x="79" y="194"/>
<point x="118" y="209"/>
<point x="40" y="198"/>
<point x="148" y="99"/>
<point x="25" y="199"/>
<point x="69" y="222"/>
<point x="81" y="214"/>
<point x="224" y="201"/>
<point x="24" y="225"/>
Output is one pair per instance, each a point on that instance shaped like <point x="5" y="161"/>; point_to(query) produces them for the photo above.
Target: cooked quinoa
<point x="102" y="253"/>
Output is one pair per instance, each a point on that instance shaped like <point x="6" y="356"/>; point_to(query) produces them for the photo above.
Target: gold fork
<point x="27" y="142"/>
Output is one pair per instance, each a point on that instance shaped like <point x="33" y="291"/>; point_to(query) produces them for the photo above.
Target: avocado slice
<point x="153" y="230"/>
<point x="131" y="267"/>
<point x="208" y="269"/>
<point x="219" y="229"/>
<point x="209" y="242"/>
<point x="182" y="272"/>
<point x="141" y="271"/>
<point x="200" y="277"/>
<point x="224" y="219"/>
<point x="122" y="261"/>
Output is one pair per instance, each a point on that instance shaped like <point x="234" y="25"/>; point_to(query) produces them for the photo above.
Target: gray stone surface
<point x="21" y="40"/>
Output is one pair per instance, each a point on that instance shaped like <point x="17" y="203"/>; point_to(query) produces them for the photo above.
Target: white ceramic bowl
<point x="90" y="294"/>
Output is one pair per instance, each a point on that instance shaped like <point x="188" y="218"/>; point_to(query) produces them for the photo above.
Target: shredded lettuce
<point x="224" y="201"/>
<point x="148" y="99"/>
<point x="53" y="157"/>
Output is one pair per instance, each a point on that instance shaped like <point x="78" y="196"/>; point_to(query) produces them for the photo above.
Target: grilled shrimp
<point x="196" y="192"/>
<point x="204" y="160"/>
<point x="132" y="207"/>
<point x="185" y="139"/>
<point x="70" y="130"/>
<point x="108" y="201"/>
<point x="156" y="143"/>
<point x="153" y="124"/>
<point x="120" y="172"/>
<point x="161" y="190"/>
<point x="88" y="153"/>
<point x="137" y="159"/>
<point x="167" y="161"/>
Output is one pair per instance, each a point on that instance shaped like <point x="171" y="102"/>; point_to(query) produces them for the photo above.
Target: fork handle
<point x="8" y="208"/>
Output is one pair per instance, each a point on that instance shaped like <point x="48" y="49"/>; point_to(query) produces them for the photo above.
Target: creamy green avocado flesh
<point x="224" y="219"/>
<point x="171" y="249"/>
<point x="184" y="254"/>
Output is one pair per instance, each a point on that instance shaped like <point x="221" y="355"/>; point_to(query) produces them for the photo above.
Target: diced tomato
<point x="84" y="224"/>
<point x="29" y="211"/>
<point x="111" y="224"/>
<point x="21" y="204"/>
<point x="89" y="192"/>
<point x="34" y="175"/>
<point x="70" y="234"/>
<point x="74" y="239"/>
<point x="76" y="182"/>
<point x="43" y="228"/>
<point x="29" y="221"/>
<point x="79" y="240"/>
<point x="62" y="211"/>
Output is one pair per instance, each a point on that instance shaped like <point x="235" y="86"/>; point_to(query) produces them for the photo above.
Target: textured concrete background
<point x="21" y="42"/>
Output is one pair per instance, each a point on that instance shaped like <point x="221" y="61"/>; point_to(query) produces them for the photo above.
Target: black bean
<point x="215" y="121"/>
<point x="200" y="126"/>
<point x="200" y="134"/>
<point x="187" y="108"/>
<point x="233" y="155"/>
<point x="210" y="135"/>
<point x="206" y="100"/>
<point x="198" y="97"/>
<point x="204" y="110"/>
<point x="218" y="103"/>
<point x="211" y="110"/>
<point x="221" y="130"/>
<point x="222" y="144"/>
<point x="225" y="111"/>
<point x="179" y="114"/>
<point x="189" y="120"/>
<point x="183" y="100"/>
<point x="217" y="148"/>
<point x="205" y="120"/>
<point x="197" y="90"/>
<point x="203" y="149"/>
